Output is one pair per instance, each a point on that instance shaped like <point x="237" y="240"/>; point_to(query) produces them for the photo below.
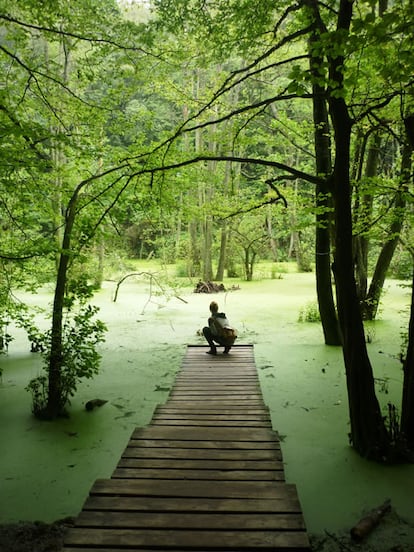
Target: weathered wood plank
<point x="202" y="463"/>
<point x="204" y="445"/>
<point x="207" y="410"/>
<point x="199" y="474"/>
<point x="207" y="423"/>
<point x="209" y="434"/>
<point x="235" y="540"/>
<point x="288" y="503"/>
<point x="213" y="385"/>
<point x="211" y="414"/>
<point x="204" y="453"/>
<point x="134" y="549"/>
<point x="211" y="394"/>
<point x="194" y="489"/>
<point x="191" y="521"/>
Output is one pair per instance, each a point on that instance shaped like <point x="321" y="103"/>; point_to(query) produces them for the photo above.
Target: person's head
<point x="213" y="307"/>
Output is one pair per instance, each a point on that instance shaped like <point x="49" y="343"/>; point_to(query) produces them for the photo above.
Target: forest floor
<point x="48" y="468"/>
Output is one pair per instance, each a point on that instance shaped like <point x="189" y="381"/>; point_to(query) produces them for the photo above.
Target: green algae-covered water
<point x="49" y="467"/>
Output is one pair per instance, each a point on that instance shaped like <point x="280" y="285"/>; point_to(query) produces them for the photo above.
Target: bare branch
<point x="70" y="34"/>
<point x="271" y="201"/>
<point x="30" y="142"/>
<point x="34" y="72"/>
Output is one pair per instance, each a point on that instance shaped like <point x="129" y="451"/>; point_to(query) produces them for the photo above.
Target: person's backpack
<point x="224" y="329"/>
<point x="230" y="334"/>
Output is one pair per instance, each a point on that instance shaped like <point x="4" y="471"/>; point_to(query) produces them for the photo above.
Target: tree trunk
<point x="269" y="229"/>
<point x="371" y="302"/>
<point x="364" y="215"/>
<point x="54" y="406"/>
<point x="326" y="303"/>
<point x="194" y="265"/>
<point x="207" y="273"/>
<point x="223" y="252"/>
<point x="249" y="258"/>
<point x="407" y="407"/>
<point x="368" y="433"/>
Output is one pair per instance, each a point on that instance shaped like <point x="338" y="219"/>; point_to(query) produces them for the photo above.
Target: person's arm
<point x="212" y="323"/>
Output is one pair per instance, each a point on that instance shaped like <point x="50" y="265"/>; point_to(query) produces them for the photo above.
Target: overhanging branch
<point x="247" y="160"/>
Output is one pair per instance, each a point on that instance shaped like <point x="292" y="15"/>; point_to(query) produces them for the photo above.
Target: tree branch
<point x="254" y="161"/>
<point x="70" y="34"/>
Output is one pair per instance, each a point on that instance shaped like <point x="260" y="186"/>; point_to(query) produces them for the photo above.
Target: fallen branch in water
<point x="366" y="524"/>
<point x="152" y="280"/>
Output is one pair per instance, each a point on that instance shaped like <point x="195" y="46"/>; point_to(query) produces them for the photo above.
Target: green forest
<point x="209" y="135"/>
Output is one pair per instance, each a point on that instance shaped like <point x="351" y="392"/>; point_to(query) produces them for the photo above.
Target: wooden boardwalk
<point x="205" y="475"/>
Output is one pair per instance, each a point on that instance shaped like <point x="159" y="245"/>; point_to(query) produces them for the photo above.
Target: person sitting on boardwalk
<point x="218" y="331"/>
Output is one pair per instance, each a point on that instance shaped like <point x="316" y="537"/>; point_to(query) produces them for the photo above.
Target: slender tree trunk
<point x="224" y="229"/>
<point x="223" y="252"/>
<point x="178" y="229"/>
<point x="327" y="310"/>
<point x="269" y="228"/>
<point x="207" y="246"/>
<point x="194" y="266"/>
<point x="295" y="240"/>
<point x="364" y="215"/>
<point x="371" y="303"/>
<point x="54" y="406"/>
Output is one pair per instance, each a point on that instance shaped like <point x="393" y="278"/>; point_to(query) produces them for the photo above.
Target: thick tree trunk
<point x="407" y="408"/>
<point x="368" y="433"/>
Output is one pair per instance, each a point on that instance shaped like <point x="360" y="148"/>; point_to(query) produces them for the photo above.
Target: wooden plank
<point x="209" y="414"/>
<point x="194" y="489"/>
<point x="231" y="386"/>
<point x="183" y="422"/>
<point x="211" y="434"/>
<point x="213" y="394"/>
<point x="191" y="520"/>
<point x="204" y="444"/>
<point x="234" y="540"/>
<point x="211" y="410"/>
<point x="129" y="549"/>
<point x="225" y="402"/>
<point x="199" y="474"/>
<point x="173" y="463"/>
<point x="252" y="454"/>
<point x="288" y="503"/>
<point x="217" y="369"/>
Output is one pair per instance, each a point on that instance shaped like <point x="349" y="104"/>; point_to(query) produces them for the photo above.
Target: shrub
<point x="309" y="313"/>
<point x="81" y="335"/>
